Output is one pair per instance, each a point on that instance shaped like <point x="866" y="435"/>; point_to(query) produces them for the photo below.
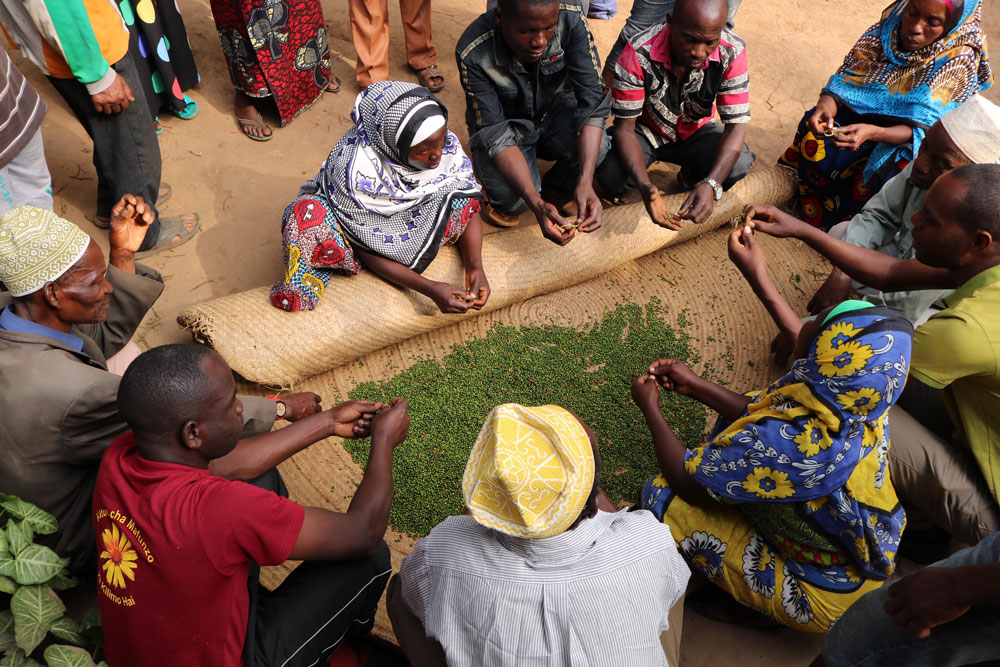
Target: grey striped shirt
<point x="594" y="596"/>
<point x="21" y="110"/>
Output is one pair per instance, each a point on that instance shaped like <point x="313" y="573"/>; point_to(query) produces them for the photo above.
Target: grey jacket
<point x="58" y="412"/>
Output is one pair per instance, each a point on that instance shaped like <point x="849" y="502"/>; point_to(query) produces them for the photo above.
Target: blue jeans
<point x="553" y="140"/>
<point x="25" y="180"/>
<point x="865" y="634"/>
<point x="646" y="13"/>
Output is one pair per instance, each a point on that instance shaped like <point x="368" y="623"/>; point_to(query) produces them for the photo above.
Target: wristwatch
<point x="279" y="406"/>
<point x="715" y="186"/>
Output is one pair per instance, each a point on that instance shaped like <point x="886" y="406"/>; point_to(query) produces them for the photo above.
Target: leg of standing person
<point x="420" y="53"/>
<point x="697" y="153"/>
<point x="126" y="151"/>
<point x="370" y="32"/>
<point x="25" y="180"/>
<point x="866" y="635"/>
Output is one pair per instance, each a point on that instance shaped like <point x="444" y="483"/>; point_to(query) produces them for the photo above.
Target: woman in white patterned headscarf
<point x="394" y="189"/>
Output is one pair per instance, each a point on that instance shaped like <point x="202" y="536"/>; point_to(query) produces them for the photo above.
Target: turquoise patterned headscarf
<point x="813" y="446"/>
<point x="914" y="88"/>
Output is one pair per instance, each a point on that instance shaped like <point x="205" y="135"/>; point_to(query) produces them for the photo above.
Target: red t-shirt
<point x="175" y="548"/>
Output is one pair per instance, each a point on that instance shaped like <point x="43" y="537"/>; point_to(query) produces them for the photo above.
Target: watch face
<point x="281" y="409"/>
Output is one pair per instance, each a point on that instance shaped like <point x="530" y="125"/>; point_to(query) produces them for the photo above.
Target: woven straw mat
<point x="695" y="277"/>
<point x="272" y="347"/>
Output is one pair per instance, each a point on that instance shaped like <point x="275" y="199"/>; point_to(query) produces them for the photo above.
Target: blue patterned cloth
<point x="914" y="88"/>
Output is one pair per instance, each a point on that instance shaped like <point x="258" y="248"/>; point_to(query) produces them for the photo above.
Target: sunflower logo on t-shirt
<point x="119" y="557"/>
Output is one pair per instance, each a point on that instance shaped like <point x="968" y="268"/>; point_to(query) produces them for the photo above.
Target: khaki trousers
<point x="422" y="651"/>
<point x="370" y="31"/>
<point x="940" y="479"/>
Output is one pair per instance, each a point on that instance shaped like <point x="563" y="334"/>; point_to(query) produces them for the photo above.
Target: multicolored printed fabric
<point x="382" y="202"/>
<point x="806" y="465"/>
<point x="275" y="48"/>
<point x="915" y="88"/>
<point x="316" y="247"/>
<point x="159" y="44"/>
<point x="832" y="182"/>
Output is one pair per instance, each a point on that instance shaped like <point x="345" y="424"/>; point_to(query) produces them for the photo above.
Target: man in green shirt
<point x="968" y="135"/>
<point x="945" y="429"/>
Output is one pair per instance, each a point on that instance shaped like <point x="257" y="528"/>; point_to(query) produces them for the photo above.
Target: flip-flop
<point x="255" y="122"/>
<point x="189" y="111"/>
<point x="334" y="84"/>
<point x="157" y="127"/>
<point x="498" y="219"/>
<point x="169" y="229"/>
<point x="430" y="72"/>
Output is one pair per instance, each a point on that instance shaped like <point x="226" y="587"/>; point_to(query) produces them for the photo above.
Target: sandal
<point x="157" y="127"/>
<point x="333" y="85"/>
<point x="172" y="234"/>
<point x="255" y="122"/>
<point x="426" y="74"/>
<point x="189" y="111"/>
<point x="498" y="219"/>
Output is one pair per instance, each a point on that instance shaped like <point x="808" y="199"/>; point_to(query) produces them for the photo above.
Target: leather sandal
<point x="430" y="72"/>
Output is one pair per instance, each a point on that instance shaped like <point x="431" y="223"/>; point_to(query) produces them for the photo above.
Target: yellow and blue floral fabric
<point x="807" y="519"/>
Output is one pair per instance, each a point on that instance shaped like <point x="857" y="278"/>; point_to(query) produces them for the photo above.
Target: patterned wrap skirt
<point x="275" y="48"/>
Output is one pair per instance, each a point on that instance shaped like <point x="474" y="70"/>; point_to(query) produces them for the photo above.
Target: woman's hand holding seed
<point x="478" y="286"/>
<point x="391" y="424"/>
<point x="674" y="375"/>
<point x="646" y="393"/>
<point x="353" y="419"/>
<point x="450" y="299"/>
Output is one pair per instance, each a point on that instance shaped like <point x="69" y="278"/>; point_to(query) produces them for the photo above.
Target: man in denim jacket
<point x="533" y="88"/>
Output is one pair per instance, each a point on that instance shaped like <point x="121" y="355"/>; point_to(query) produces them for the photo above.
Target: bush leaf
<point x="14" y="658"/>
<point x="6" y="631"/>
<point x="68" y="630"/>
<point x="18" y="537"/>
<point x="62" y="582"/>
<point x="7" y="585"/>
<point x="38" y="519"/>
<point x="36" y="565"/>
<point x="34" y="609"/>
<point x="60" y="655"/>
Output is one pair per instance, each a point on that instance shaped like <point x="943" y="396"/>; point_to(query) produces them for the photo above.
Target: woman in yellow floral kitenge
<point x="919" y="62"/>
<point x="788" y="507"/>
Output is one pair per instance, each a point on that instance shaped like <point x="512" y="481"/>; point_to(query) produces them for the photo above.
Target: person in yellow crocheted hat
<point x="540" y="546"/>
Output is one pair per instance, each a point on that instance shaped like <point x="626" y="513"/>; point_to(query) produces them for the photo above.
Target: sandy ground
<point x="240" y="187"/>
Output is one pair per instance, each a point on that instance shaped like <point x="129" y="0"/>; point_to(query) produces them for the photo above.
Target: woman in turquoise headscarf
<point x="788" y="506"/>
<point x="922" y="60"/>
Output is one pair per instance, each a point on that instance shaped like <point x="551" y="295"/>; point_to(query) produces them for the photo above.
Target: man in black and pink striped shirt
<point x="24" y="176"/>
<point x="668" y="82"/>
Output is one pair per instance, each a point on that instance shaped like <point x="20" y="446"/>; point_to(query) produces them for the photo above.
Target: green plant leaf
<point x="92" y="619"/>
<point x="38" y="519"/>
<point x="66" y="629"/>
<point x="3" y="543"/>
<point x="6" y="631"/>
<point x="34" y="609"/>
<point x="60" y="655"/>
<point x="7" y="585"/>
<point x="19" y="536"/>
<point x="62" y="582"/>
<point x="36" y="565"/>
<point x="14" y="658"/>
<point x="6" y="566"/>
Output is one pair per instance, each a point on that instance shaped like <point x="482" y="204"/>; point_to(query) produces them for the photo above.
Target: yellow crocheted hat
<point x="36" y="247"/>
<point x="530" y="472"/>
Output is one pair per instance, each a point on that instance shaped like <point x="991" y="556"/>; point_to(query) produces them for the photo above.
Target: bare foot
<point x="250" y="119"/>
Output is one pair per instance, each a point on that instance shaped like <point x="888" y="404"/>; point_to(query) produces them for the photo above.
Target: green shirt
<point x="956" y="351"/>
<point x="884" y="225"/>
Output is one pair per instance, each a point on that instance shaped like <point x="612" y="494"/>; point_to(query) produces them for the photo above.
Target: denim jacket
<point x="505" y="100"/>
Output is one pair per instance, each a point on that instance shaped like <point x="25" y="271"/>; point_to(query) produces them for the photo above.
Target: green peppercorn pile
<point x="588" y="372"/>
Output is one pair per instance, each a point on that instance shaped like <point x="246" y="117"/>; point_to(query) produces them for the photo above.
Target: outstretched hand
<point x="353" y="419"/>
<point x="746" y="254"/>
<point x="590" y="212"/>
<point x="130" y="220"/>
<point x="554" y="227"/>
<point x="674" y="375"/>
<point x="657" y="210"/>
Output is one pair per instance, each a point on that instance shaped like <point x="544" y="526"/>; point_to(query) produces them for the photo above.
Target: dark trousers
<point x="126" y="151"/>
<point x="319" y="605"/>
<point x="696" y="154"/>
<point x="553" y="139"/>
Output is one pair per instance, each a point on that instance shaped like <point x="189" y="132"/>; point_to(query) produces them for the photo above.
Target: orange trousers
<point x="370" y="31"/>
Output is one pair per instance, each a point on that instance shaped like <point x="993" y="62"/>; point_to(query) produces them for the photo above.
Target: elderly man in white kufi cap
<point x="968" y="135"/>
<point x="63" y="314"/>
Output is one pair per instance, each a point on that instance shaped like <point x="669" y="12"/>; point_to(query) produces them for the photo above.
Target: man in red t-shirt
<point x="177" y="545"/>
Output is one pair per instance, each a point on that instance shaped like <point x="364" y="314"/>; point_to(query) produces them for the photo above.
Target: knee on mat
<point x="742" y="167"/>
